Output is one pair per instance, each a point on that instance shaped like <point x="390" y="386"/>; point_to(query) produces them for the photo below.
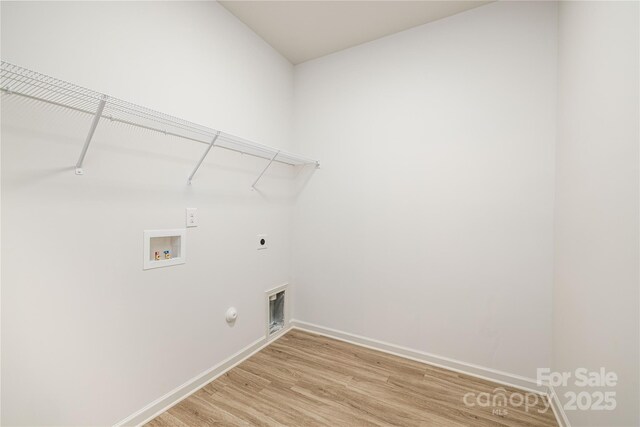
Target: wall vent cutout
<point x="277" y="311"/>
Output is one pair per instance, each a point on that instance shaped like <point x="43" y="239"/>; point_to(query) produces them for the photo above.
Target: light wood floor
<point x="304" y="379"/>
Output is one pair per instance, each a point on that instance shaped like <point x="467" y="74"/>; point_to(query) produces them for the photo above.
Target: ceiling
<point x="304" y="30"/>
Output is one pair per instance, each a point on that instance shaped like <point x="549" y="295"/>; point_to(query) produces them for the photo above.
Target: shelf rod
<point x="213" y="142"/>
<point x="253" y="186"/>
<point x="92" y="129"/>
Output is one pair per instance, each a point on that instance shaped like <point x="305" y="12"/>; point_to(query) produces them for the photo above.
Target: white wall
<point x="596" y="264"/>
<point x="430" y="222"/>
<point x="88" y="338"/>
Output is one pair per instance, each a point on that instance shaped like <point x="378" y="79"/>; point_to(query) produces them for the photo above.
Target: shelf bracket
<point x="253" y="186"/>
<point x="92" y="129"/>
<point x="213" y="142"/>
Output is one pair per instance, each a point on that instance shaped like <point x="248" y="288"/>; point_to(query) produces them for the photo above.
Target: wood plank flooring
<point x="303" y="379"/>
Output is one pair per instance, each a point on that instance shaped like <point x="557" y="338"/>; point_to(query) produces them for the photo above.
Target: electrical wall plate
<point x="192" y="217"/>
<point x="262" y="242"/>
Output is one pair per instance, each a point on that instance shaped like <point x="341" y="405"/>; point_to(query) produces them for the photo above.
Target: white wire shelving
<point x="19" y="81"/>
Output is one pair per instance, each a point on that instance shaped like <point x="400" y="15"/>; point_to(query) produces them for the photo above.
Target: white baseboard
<point x="503" y="378"/>
<point x="180" y="393"/>
<point x="500" y="377"/>
<point x="185" y="390"/>
<point x="558" y="410"/>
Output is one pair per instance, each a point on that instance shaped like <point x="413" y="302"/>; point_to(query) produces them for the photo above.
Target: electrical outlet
<point x="192" y="217"/>
<point x="262" y="241"/>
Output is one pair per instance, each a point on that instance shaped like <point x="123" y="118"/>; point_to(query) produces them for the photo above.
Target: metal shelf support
<point x="92" y="129"/>
<point x="213" y="142"/>
<point x="253" y="186"/>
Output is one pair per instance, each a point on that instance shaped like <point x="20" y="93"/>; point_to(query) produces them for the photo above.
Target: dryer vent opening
<point x="276" y="312"/>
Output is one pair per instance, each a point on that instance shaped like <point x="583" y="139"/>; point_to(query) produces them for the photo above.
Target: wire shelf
<point x="16" y="80"/>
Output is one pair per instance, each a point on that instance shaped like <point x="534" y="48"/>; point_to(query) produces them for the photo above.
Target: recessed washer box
<point x="163" y="248"/>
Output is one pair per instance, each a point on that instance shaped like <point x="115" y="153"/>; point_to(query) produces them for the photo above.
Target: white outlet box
<point x="262" y="242"/>
<point x="192" y="217"/>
